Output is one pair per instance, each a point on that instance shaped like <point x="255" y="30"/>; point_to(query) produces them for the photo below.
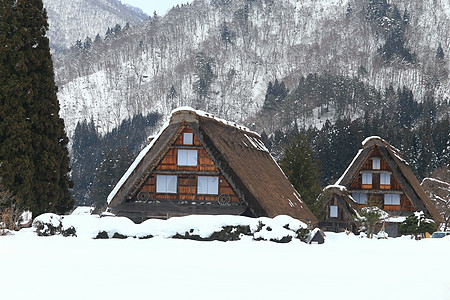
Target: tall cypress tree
<point x="34" y="160"/>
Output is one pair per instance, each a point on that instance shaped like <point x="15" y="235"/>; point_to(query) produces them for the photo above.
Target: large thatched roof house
<point x="378" y="174"/>
<point x="199" y="164"/>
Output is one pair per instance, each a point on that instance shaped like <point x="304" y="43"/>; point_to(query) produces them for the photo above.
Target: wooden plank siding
<point x="376" y="190"/>
<point x="187" y="176"/>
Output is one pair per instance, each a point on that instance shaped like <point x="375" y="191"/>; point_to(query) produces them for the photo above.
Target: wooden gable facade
<point x="189" y="173"/>
<point x="379" y="175"/>
<point x="201" y="165"/>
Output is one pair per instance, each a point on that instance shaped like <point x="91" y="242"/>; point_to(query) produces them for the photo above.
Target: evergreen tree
<point x="205" y="76"/>
<point x="417" y="225"/>
<point x="112" y="168"/>
<point x="301" y="171"/>
<point x="33" y="144"/>
<point x="440" y="52"/>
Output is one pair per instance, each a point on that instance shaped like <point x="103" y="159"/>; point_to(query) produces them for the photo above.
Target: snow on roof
<point x="338" y="182"/>
<point x="211" y="116"/>
<point x="373" y="137"/>
<point x="435" y="180"/>
<point x="336" y="186"/>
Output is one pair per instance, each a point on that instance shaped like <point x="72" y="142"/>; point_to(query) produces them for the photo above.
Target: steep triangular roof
<point x="400" y="169"/>
<point x="236" y="151"/>
<point x="352" y="208"/>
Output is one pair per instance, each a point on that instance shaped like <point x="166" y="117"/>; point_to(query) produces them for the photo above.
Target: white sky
<point x="149" y="6"/>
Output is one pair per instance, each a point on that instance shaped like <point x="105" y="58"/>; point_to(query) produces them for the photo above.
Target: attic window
<point x="333" y="211"/>
<point x="376" y="163"/>
<point x="391" y="199"/>
<point x="166" y="184"/>
<point x="360" y="198"/>
<point x="208" y="185"/>
<point x="188" y="138"/>
<point x="187" y="157"/>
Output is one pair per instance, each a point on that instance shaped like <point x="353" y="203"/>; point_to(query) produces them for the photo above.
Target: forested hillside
<point x="220" y="56"/>
<point x="81" y="20"/>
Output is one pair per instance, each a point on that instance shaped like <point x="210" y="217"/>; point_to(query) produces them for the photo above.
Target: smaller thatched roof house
<point x="199" y="164"/>
<point x="341" y="211"/>
<point x="379" y="175"/>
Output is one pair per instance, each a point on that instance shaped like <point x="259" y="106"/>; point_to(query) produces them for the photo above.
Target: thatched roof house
<point x="379" y="174"/>
<point x="340" y="210"/>
<point x="199" y="164"/>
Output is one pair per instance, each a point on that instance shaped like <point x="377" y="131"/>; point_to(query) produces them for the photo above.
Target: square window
<point x="385" y="179"/>
<point x="376" y="163"/>
<point x="366" y="178"/>
<point x="188" y="138"/>
<point x="208" y="185"/>
<point x="333" y="211"/>
<point x="360" y="198"/>
<point x="187" y="157"/>
<point x="391" y="199"/>
<point x="166" y="184"/>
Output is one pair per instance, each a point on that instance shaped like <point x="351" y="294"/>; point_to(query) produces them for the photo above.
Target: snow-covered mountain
<point x="219" y="56"/>
<point x="74" y="20"/>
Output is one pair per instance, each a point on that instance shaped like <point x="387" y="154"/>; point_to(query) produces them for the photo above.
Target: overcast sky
<point x="149" y="6"/>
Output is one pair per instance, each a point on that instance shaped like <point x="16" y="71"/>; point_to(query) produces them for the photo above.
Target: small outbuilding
<point x="200" y="164"/>
<point x="340" y="210"/>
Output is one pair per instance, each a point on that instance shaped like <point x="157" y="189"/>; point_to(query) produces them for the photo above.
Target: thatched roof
<point x="343" y="194"/>
<point x="400" y="169"/>
<point x="238" y="153"/>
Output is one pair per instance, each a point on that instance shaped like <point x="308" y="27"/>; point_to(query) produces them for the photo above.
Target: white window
<point x="366" y="178"/>
<point x="333" y="211"/>
<point x="360" y="198"/>
<point x="391" y="199"/>
<point x="376" y="163"/>
<point x="187" y="157"/>
<point x="208" y="185"/>
<point x="166" y="184"/>
<point x="385" y="179"/>
<point x="188" y="138"/>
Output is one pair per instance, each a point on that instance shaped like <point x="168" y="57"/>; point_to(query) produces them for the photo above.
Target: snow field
<point x="345" y="267"/>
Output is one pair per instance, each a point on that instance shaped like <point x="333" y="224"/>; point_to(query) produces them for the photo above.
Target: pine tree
<point x="33" y="144"/>
<point x="301" y="171"/>
<point x="440" y="52"/>
<point x="111" y="169"/>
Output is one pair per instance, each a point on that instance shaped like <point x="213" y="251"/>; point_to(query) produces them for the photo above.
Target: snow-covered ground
<point x="345" y="267"/>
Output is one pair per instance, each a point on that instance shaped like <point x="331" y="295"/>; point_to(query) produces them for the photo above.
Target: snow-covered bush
<point x="49" y="224"/>
<point x="370" y="216"/>
<point x="281" y="229"/>
<point x="417" y="225"/>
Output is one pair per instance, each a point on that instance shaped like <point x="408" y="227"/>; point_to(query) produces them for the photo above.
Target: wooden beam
<point x="179" y="172"/>
<point x="377" y="191"/>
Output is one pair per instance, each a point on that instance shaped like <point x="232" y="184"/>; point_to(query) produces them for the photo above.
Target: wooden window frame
<point x="358" y="198"/>
<point x="166" y="190"/>
<point x="191" y="139"/>
<point x="186" y="163"/>
<point x="377" y="165"/>
<point x="216" y="188"/>
<point x="334" y="211"/>
<point x="365" y="183"/>
<point x="388" y="201"/>
<point x="384" y="186"/>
